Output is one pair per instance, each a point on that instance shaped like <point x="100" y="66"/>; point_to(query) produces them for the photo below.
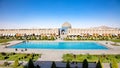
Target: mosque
<point x="64" y="31"/>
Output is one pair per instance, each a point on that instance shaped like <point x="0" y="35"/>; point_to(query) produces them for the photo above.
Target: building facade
<point x="65" y="30"/>
<point x="22" y="32"/>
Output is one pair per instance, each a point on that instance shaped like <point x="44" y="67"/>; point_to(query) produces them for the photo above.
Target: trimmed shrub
<point x="30" y="64"/>
<point x="13" y="53"/>
<point x="53" y="65"/>
<point x="114" y="64"/>
<point x="3" y="53"/>
<point x="67" y="64"/>
<point x="28" y="54"/>
<point x="22" y="57"/>
<point x="85" y="63"/>
<point x="6" y="57"/>
<point x="25" y="57"/>
<point x="19" y="58"/>
<point x="6" y="63"/>
<point x="117" y="56"/>
<point x="16" y="49"/>
<point x="99" y="65"/>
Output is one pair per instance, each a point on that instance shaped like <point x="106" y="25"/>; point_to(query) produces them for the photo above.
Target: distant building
<point x="65" y="30"/>
<point x="102" y="30"/>
<point x="22" y="32"/>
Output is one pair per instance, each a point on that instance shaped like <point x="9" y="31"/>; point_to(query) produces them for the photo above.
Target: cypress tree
<point x="30" y="64"/>
<point x="53" y="65"/>
<point x="85" y="64"/>
<point x="37" y="66"/>
<point x="99" y="65"/>
<point x="67" y="64"/>
<point x="16" y="63"/>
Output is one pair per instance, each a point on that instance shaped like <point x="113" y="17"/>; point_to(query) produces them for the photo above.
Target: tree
<point x="99" y="65"/>
<point x="42" y="37"/>
<point x="45" y="38"/>
<point x="52" y="38"/>
<point x="16" y="63"/>
<point x="85" y="63"/>
<point x="37" y="66"/>
<point x="53" y="65"/>
<point x="78" y="38"/>
<point x="114" y="64"/>
<point x="30" y="64"/>
<point x="67" y="64"/>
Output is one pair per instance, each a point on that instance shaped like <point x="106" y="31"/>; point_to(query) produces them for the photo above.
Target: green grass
<point x="4" y="40"/>
<point x="116" y="40"/>
<point x="90" y="58"/>
<point x="18" y="56"/>
<point x="2" y="66"/>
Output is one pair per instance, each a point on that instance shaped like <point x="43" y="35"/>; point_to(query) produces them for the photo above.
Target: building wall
<point x="56" y="31"/>
<point x="93" y="31"/>
<point x="29" y="31"/>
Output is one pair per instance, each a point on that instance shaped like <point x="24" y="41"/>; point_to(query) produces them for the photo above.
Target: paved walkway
<point x="106" y="65"/>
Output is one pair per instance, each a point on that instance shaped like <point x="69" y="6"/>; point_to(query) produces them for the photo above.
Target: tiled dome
<point x="66" y="25"/>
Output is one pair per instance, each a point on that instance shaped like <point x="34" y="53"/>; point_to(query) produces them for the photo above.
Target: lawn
<point x="90" y="58"/>
<point x="116" y="40"/>
<point x="4" y="40"/>
<point x="18" y="56"/>
<point x="2" y="66"/>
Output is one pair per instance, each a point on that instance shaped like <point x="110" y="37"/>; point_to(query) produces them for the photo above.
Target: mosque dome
<point x="66" y="25"/>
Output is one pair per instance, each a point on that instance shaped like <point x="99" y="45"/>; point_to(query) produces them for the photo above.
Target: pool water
<point x="60" y="45"/>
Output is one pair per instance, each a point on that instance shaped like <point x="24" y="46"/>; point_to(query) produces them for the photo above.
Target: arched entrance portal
<point x="62" y="31"/>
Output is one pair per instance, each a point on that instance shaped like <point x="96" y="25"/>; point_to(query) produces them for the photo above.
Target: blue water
<point x="59" y="45"/>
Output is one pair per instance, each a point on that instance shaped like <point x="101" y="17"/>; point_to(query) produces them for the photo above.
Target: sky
<point x="53" y="13"/>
